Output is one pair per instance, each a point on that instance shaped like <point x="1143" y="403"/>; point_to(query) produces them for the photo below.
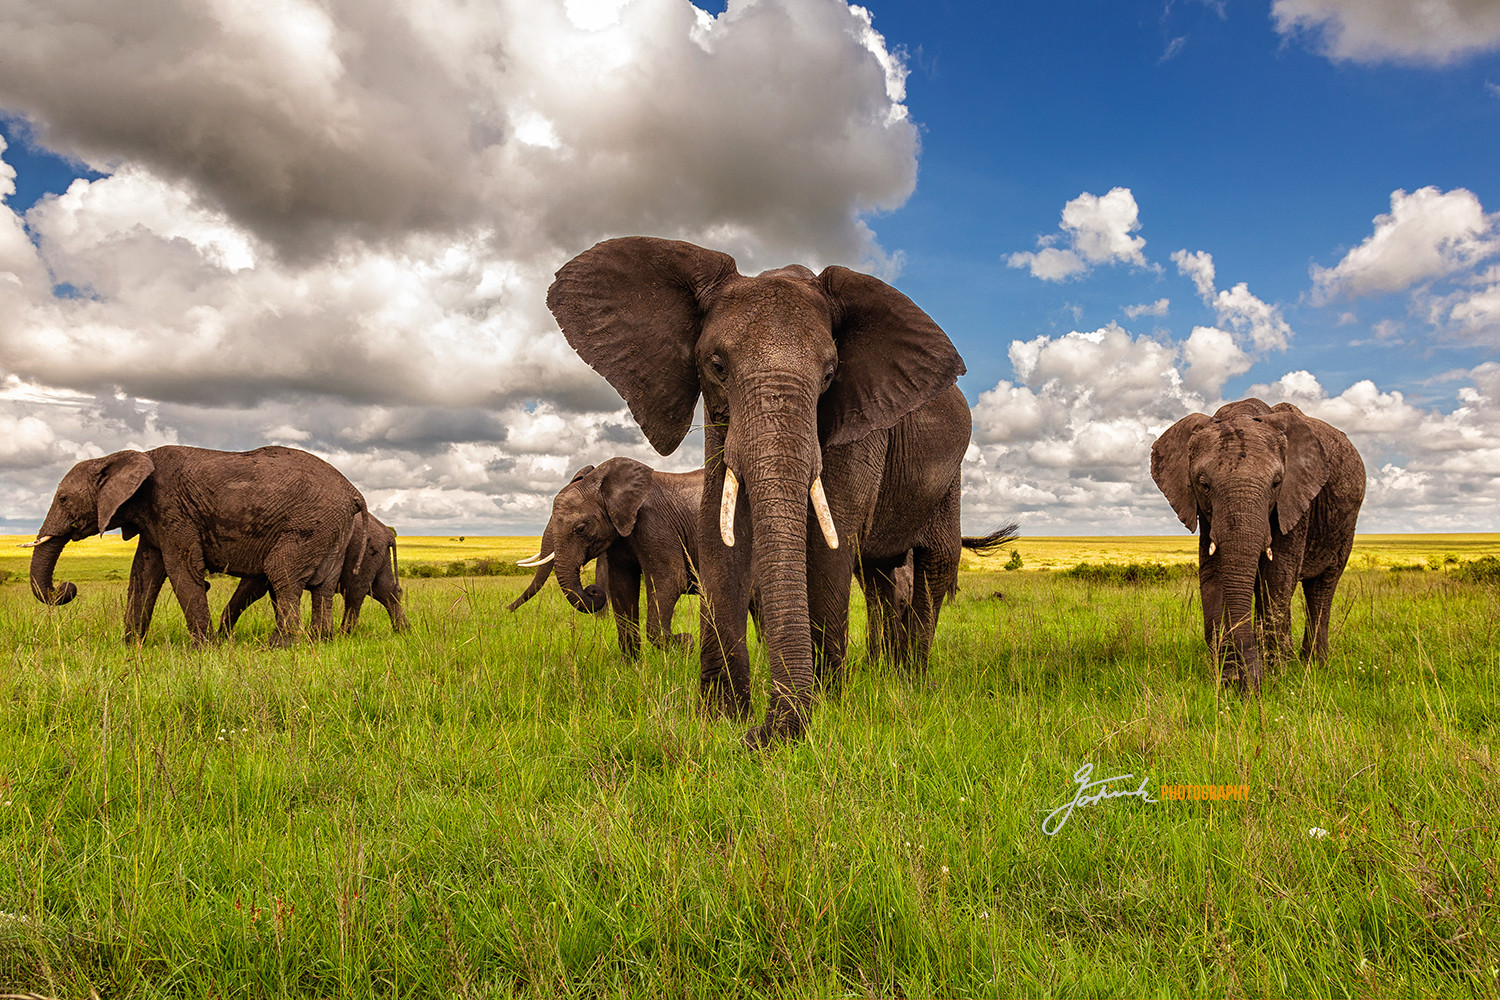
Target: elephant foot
<point x="783" y="724"/>
<point x="718" y="701"/>
<point x="280" y="640"/>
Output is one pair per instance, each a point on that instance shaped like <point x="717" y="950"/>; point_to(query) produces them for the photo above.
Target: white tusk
<point x="1211" y="548"/>
<point x="537" y="560"/>
<point x="726" y="506"/>
<point x="825" y="516"/>
<point x="32" y="545"/>
<point x="1268" y="554"/>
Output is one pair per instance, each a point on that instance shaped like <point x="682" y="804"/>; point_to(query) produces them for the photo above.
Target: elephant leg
<point x="1318" y="591"/>
<point x="934" y="577"/>
<point x="250" y="590"/>
<point x="878" y="610"/>
<point x="830" y="577"/>
<point x="725" y="587"/>
<point x="1211" y="593"/>
<point x="189" y="576"/>
<point x="661" y="605"/>
<point x="624" y="592"/>
<point x="353" y="602"/>
<point x="1276" y="584"/>
<point x="322" y="610"/>
<point x="147" y="573"/>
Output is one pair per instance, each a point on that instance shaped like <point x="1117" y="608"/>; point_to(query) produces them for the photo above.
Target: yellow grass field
<point x="108" y="557"/>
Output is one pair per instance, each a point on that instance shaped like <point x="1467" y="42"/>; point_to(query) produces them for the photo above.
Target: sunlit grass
<point x="498" y="803"/>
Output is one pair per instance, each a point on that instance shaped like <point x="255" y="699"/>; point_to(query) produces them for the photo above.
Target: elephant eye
<point x="1275" y="483"/>
<point x="580" y="528"/>
<point x="828" y="374"/>
<point x="716" y="363"/>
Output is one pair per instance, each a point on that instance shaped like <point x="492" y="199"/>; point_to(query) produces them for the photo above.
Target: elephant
<point x="640" y="523"/>
<point x="888" y="595"/>
<point x="1278" y="494"/>
<point x="370" y="569"/>
<point x="830" y="401"/>
<point x="275" y="511"/>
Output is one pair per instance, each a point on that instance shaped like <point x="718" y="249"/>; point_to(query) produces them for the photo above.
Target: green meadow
<point x="498" y="804"/>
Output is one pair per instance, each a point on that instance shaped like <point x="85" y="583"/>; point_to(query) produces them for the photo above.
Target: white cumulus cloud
<point x="1095" y="230"/>
<point x="1434" y="32"/>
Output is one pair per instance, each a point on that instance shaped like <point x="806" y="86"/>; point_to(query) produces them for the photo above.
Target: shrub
<point x="1485" y="569"/>
<point x="483" y="566"/>
<point x="1015" y="560"/>
<point x="1123" y="574"/>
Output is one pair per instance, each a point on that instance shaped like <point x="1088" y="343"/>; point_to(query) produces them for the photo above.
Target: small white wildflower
<point x="1317" y="833"/>
<point x="945" y="869"/>
<point x="962" y="800"/>
<point x="984" y="914"/>
<point x="221" y="739"/>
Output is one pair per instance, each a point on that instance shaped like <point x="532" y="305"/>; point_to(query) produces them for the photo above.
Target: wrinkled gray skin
<point x="275" y="511"/>
<point x="641" y="524"/>
<point x="803" y="376"/>
<point x="1278" y="494"/>
<point x="370" y="570"/>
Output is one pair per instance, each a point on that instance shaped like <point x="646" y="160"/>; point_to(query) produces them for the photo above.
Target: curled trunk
<point x="590" y="600"/>
<point x="43" y="561"/>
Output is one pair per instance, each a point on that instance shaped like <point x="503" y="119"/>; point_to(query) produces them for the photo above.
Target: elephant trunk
<point x="1240" y="536"/>
<point x="540" y="578"/>
<point x="590" y="600"/>
<point x="778" y="463"/>
<point x="43" y="561"/>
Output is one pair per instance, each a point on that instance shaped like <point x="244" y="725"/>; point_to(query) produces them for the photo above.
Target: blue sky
<point x="331" y="225"/>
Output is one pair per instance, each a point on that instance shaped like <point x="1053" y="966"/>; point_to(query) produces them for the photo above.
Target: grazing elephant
<point x="888" y="596"/>
<point x="274" y="511"/>
<point x="370" y="569"/>
<point x="831" y="404"/>
<point x="640" y="523"/>
<point x="1278" y="493"/>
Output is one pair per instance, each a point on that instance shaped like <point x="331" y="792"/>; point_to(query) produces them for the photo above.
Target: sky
<point x="331" y="224"/>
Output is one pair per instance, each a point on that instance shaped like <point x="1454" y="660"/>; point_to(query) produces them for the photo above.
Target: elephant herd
<point x="834" y="438"/>
<point x="280" y="519"/>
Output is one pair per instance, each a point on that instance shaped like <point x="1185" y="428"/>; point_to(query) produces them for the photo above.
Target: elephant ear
<point x="122" y="474"/>
<point x="1306" y="468"/>
<point x="623" y="482"/>
<point x="580" y="474"/>
<point x="633" y="309"/>
<point x="1169" y="467"/>
<point x="892" y="357"/>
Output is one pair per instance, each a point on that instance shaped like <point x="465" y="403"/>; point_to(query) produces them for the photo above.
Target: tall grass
<point x="497" y="804"/>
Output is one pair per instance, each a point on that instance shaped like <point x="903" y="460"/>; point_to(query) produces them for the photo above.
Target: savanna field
<point x="498" y="804"/>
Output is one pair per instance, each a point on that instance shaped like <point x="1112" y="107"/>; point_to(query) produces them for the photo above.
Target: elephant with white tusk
<point x="831" y="406"/>
<point x="640" y="524"/>
<point x="1277" y="494"/>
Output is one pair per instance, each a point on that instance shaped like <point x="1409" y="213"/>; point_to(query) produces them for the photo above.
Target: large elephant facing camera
<point x="275" y="511"/>
<point x="831" y="406"/>
<point x="1278" y="494"/>
<point x="640" y="523"/>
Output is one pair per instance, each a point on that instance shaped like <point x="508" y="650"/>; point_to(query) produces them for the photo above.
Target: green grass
<point x="498" y="804"/>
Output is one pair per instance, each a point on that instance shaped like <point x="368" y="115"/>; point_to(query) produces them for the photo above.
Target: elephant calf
<point x="640" y="523"/>
<point x="370" y="570"/>
<point x="1278" y="493"/>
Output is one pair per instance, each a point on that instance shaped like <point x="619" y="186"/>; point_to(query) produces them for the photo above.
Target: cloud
<point x="333" y="224"/>
<point x="1242" y="312"/>
<point x="1427" y="234"/>
<point x="1066" y="448"/>
<point x="1433" y="32"/>
<point x="1157" y="308"/>
<point x="1095" y="230"/>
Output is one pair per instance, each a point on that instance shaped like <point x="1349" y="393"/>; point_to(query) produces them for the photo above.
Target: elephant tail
<point x="395" y="563"/>
<point x="989" y="544"/>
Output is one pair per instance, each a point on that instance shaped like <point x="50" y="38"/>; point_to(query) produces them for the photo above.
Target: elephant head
<point x="589" y="514"/>
<point x="1249" y="473"/>
<point x="87" y="502"/>
<point x="788" y="363"/>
